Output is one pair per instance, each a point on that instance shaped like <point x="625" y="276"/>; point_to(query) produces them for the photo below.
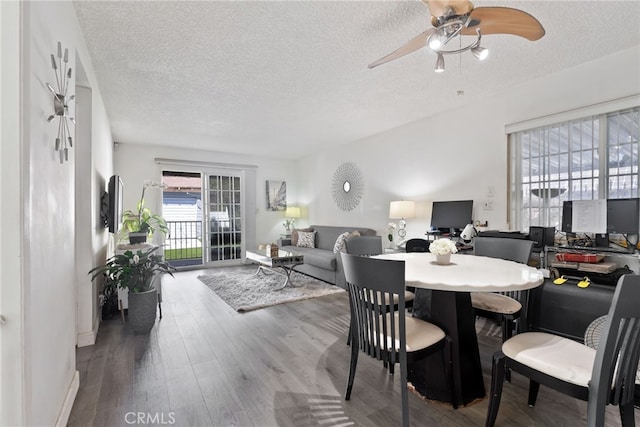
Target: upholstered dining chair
<point x="601" y="376"/>
<point x="506" y="306"/>
<point x="417" y="245"/>
<point x="383" y="331"/>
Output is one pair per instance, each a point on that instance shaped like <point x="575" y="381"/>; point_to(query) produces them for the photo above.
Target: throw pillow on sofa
<point x="306" y="239"/>
<point x="294" y="235"/>
<point x="341" y="241"/>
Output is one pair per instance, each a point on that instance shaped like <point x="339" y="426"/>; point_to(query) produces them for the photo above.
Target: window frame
<point x="601" y="148"/>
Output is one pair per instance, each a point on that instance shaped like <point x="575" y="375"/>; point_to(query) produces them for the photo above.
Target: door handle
<point x="2" y="320"/>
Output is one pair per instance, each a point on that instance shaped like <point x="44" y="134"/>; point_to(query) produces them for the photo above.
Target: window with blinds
<point x="589" y="158"/>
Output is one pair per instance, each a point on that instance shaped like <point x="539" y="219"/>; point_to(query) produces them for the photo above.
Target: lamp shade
<point x="292" y="212"/>
<point x="402" y="209"/>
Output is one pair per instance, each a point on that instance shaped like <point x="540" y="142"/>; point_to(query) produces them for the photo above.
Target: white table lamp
<point x="401" y="210"/>
<point x="291" y="214"/>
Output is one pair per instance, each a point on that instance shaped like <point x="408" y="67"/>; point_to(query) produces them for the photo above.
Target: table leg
<point x="121" y="310"/>
<point x="259" y="270"/>
<point x="287" y="273"/>
<point x="452" y="312"/>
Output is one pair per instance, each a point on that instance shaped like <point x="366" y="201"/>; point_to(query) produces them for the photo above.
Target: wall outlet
<point x="487" y="205"/>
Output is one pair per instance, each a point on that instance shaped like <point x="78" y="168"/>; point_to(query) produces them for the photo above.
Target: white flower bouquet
<point x="442" y="247"/>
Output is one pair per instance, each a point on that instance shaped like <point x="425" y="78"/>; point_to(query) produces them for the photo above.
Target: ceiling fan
<point x="451" y="18"/>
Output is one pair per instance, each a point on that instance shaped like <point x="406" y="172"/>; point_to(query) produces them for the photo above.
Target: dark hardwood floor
<point x="206" y="365"/>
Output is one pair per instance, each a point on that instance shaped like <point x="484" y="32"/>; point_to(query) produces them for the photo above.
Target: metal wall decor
<point x="347" y="187"/>
<point x="60" y="99"/>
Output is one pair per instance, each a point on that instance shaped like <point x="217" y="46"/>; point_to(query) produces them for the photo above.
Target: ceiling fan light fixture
<point x="480" y="52"/>
<point x="440" y="64"/>
<point x="435" y="43"/>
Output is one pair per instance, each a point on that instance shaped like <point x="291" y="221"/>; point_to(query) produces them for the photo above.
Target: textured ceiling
<point x="287" y="78"/>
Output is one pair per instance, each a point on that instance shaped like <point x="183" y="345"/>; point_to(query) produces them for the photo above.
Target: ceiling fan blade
<point x="449" y="7"/>
<point x="503" y="20"/>
<point x="412" y="45"/>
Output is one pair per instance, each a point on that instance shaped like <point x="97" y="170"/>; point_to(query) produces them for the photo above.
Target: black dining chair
<point x="417" y="245"/>
<point x="601" y="376"/>
<point x="506" y="306"/>
<point x="360" y="248"/>
<point x="383" y="331"/>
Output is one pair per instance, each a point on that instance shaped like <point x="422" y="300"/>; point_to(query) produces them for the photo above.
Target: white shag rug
<point x="241" y="289"/>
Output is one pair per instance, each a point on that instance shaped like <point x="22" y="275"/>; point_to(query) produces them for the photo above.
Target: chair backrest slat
<point x="616" y="359"/>
<point x="625" y="372"/>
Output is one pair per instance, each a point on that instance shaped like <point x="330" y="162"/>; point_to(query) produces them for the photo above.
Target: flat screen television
<point x="623" y="216"/>
<point x="114" y="217"/>
<point x="451" y="216"/>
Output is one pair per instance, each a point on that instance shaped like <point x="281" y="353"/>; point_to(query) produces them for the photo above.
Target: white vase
<point x="443" y="259"/>
<point x="391" y="243"/>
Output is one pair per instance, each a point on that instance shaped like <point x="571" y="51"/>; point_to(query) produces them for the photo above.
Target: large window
<point x="584" y="159"/>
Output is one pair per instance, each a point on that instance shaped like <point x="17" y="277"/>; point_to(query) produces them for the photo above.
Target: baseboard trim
<point x="65" y="412"/>
<point x="89" y="338"/>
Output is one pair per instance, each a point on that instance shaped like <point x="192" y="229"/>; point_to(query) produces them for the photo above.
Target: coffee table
<point x="285" y="261"/>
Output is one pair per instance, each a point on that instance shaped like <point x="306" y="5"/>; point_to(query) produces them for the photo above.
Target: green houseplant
<point x="135" y="272"/>
<point x="141" y="223"/>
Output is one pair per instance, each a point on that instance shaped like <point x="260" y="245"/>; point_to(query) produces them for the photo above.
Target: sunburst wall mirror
<point x="347" y="186"/>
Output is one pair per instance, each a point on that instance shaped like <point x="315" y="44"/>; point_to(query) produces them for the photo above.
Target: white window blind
<point x="593" y="157"/>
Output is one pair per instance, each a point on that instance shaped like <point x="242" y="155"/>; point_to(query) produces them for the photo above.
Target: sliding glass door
<point x="205" y="216"/>
<point x="223" y="208"/>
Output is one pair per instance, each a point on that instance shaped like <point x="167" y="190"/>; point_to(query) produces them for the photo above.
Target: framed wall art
<point x="276" y="195"/>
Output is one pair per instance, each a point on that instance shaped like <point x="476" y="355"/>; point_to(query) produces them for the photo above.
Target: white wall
<point x="11" y="339"/>
<point x="45" y="380"/>
<point x="135" y="164"/>
<point x="457" y="154"/>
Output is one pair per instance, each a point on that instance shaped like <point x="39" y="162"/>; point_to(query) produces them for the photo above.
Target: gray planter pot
<point x="142" y="311"/>
<point x="137" y="238"/>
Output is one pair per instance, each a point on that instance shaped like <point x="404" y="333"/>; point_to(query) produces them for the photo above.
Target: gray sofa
<point x="322" y="263"/>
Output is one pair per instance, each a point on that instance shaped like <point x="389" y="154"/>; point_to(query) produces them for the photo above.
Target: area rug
<point x="241" y="289"/>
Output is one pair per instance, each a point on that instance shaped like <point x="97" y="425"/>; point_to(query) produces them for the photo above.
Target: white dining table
<point x="443" y="298"/>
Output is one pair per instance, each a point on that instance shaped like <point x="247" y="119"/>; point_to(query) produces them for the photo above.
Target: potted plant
<point x="135" y="272"/>
<point x="442" y="249"/>
<point x="141" y="223"/>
